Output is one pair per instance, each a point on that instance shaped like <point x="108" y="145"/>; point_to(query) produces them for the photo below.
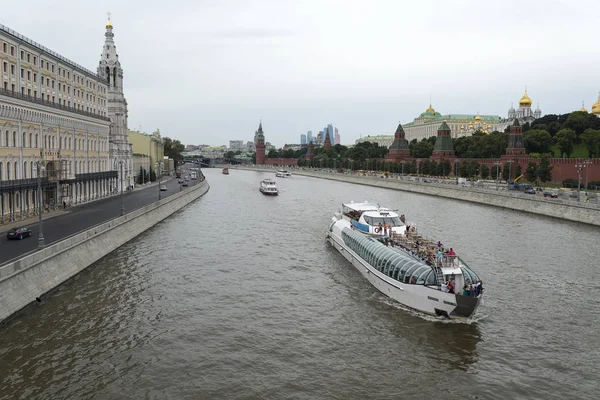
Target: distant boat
<point x="225" y="171"/>
<point x="283" y="174"/>
<point x="268" y="187"/>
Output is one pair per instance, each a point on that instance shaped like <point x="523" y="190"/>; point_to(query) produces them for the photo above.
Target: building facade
<point x="523" y="115"/>
<point x="56" y="117"/>
<point x="428" y="123"/>
<point x="148" y="150"/>
<point x="381" y="140"/>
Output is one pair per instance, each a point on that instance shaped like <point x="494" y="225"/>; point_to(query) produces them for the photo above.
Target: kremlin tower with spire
<point x="260" y="145"/>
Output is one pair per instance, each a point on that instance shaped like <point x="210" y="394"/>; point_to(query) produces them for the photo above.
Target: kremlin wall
<point x="562" y="168"/>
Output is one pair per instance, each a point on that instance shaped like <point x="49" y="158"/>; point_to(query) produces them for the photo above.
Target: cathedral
<point x="524" y="114"/>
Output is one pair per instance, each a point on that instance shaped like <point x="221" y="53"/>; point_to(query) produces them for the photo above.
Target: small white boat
<point x="403" y="265"/>
<point x="268" y="187"/>
<point x="283" y="174"/>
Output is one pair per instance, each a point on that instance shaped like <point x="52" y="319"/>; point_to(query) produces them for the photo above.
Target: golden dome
<point x="582" y="109"/>
<point x="430" y="109"/>
<point x="108" y="23"/>
<point x="462" y="127"/>
<point x="478" y="117"/>
<point x="489" y="127"/>
<point x="525" y="100"/>
<point x="596" y="108"/>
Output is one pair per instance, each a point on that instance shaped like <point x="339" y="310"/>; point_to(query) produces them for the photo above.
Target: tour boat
<point x="225" y="171"/>
<point x="268" y="187"/>
<point x="401" y="264"/>
<point x="283" y="173"/>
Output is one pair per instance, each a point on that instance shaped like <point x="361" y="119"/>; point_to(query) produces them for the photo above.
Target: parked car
<point x="529" y="191"/>
<point x="550" y="194"/>
<point x="185" y="183"/>
<point x="163" y="188"/>
<point x="18" y="233"/>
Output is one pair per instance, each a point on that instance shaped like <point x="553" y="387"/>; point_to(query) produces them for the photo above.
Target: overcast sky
<point x="206" y="72"/>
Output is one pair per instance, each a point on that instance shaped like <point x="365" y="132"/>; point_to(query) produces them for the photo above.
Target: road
<point x="79" y="218"/>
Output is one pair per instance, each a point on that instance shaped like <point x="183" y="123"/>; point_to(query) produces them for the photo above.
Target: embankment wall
<point x="572" y="211"/>
<point x="37" y="273"/>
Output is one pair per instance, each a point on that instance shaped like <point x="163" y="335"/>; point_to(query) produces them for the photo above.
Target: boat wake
<point x="432" y="318"/>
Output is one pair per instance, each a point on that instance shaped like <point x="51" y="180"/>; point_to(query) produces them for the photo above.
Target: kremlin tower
<point x="399" y="151"/>
<point x="327" y="143"/>
<point x="443" y="143"/>
<point x="260" y="145"/>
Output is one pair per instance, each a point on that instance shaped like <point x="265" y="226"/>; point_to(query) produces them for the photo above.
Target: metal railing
<point x="58" y="106"/>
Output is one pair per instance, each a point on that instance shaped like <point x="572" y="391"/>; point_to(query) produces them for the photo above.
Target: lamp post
<point x="121" y="183"/>
<point x="41" y="241"/>
<point x="586" y="163"/>
<point x="158" y="169"/>
<point x="579" y="167"/>
<point x="456" y="167"/>
<point x="509" y="174"/>
<point x="497" y="164"/>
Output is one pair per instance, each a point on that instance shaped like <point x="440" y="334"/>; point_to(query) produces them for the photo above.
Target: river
<point x="238" y="296"/>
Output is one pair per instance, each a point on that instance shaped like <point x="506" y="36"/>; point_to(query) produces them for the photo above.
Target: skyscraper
<point x="303" y="139"/>
<point x="309" y="136"/>
<point x="337" y="137"/>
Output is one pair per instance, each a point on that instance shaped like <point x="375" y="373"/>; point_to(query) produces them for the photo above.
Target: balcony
<point x="17" y="185"/>
<point x="94" y="176"/>
<point x="31" y="99"/>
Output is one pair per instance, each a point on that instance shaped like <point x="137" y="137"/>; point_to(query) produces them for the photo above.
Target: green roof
<point x="466" y="118"/>
<point x="444" y="127"/>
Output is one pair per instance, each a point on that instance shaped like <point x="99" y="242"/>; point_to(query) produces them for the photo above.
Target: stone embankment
<point x="571" y="210"/>
<point x="24" y="280"/>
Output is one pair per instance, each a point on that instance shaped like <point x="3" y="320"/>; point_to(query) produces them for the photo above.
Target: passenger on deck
<point x="451" y="255"/>
<point x="466" y="290"/>
<point x="444" y="287"/>
<point x="439" y="244"/>
<point x="450" y="287"/>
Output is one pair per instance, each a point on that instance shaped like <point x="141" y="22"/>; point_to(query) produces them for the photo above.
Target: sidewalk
<point x="33" y="219"/>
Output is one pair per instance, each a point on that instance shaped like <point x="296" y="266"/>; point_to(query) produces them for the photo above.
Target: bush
<point x="570" y="183"/>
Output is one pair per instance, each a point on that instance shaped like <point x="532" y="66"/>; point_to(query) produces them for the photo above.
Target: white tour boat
<point x="403" y="265"/>
<point x="283" y="174"/>
<point x="268" y="187"/>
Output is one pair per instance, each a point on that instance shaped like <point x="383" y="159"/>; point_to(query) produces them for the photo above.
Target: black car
<point x="18" y="233"/>
<point x="529" y="191"/>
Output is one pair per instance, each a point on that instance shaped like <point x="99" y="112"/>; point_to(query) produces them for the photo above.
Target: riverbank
<point x="575" y="211"/>
<point x="26" y="279"/>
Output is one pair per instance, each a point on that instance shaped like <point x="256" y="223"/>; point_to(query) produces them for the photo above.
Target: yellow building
<point x="53" y="116"/>
<point x="148" y="150"/>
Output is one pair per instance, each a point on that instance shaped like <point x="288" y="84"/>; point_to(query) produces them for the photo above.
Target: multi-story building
<point x="63" y="120"/>
<point x="148" y="150"/>
<point x="428" y="123"/>
<point x="237" y="145"/>
<point x="309" y="137"/>
<point x="337" y="137"/>
<point x="381" y="140"/>
<point x="303" y="139"/>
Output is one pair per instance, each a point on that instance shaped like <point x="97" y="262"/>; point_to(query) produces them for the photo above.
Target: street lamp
<point x="497" y="164"/>
<point x="586" y="163"/>
<point x="158" y="169"/>
<point x="41" y="241"/>
<point x="579" y="167"/>
<point x="122" y="207"/>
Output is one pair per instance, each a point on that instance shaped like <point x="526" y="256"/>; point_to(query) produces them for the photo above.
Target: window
<point x="4" y="47"/>
<point x="42" y="63"/>
<point x="28" y="57"/>
<point x="29" y="92"/>
<point x="28" y="75"/>
<point x="35" y="94"/>
<point x="12" y="50"/>
<point x="5" y="66"/>
<point x="22" y="55"/>
<point x="52" y="67"/>
<point x="22" y="73"/>
<point x="34" y="59"/>
<point x="12" y="69"/>
<point x="23" y="142"/>
<point x="52" y="84"/>
<point x="14" y="138"/>
<point x="30" y="142"/>
<point x="42" y="80"/>
<point x="34" y="77"/>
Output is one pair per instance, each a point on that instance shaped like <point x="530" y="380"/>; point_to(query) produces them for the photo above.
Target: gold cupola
<point x="525" y="100"/>
<point x="430" y="109"/>
<point x="582" y="109"/>
<point x="596" y="107"/>
<point x="478" y="117"/>
<point x="108" y="23"/>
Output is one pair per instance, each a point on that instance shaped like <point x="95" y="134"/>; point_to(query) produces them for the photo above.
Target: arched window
<point x="14" y="138"/>
<point x="69" y="143"/>
<point x="1" y="171"/>
<point x="8" y="177"/>
<point x="24" y="142"/>
<point x="16" y="170"/>
<point x="30" y="141"/>
<point x="24" y="169"/>
<point x="36" y="141"/>
<point x="31" y="169"/>
<point x="6" y="139"/>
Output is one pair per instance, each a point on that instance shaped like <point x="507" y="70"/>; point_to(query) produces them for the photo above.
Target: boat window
<point x="430" y="279"/>
<point x="469" y="273"/>
<point x="378" y="256"/>
<point x="403" y="269"/>
<point x="422" y="276"/>
<point x="395" y="272"/>
<point x="375" y="221"/>
<point x="388" y="269"/>
<point x="410" y="270"/>
<point x="417" y="272"/>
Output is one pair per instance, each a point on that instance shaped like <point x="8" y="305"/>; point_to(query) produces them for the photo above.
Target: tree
<point x="495" y="171"/>
<point x="506" y="171"/>
<point x="537" y="141"/>
<point x="422" y="149"/>
<point x="545" y="169"/>
<point x="564" y="140"/>
<point x="591" y="139"/>
<point x="143" y="176"/>
<point x="173" y="149"/>
<point x="518" y="170"/>
<point x="485" y="171"/>
<point x="531" y="172"/>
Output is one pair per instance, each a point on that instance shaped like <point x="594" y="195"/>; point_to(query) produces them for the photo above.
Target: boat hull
<point x="267" y="193"/>
<point x="418" y="297"/>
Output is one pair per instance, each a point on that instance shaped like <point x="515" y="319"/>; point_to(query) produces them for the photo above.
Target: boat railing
<point x="427" y="250"/>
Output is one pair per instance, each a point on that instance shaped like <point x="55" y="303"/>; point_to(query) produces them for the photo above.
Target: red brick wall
<point x="280" y="161"/>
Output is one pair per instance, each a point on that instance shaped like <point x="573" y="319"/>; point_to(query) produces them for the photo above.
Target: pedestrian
<point x="64" y="205"/>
